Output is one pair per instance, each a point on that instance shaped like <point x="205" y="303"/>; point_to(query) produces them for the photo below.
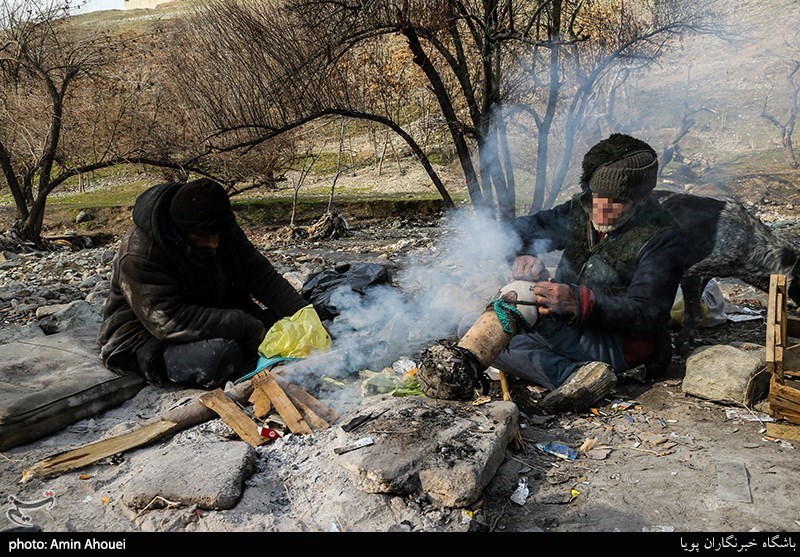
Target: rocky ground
<point x="650" y="458"/>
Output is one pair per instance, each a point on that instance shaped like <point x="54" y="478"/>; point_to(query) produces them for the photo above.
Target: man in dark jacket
<point x="184" y="290"/>
<point x="606" y="309"/>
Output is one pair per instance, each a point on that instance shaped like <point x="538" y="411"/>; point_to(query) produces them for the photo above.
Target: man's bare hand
<point x="554" y="297"/>
<point x="528" y="267"/>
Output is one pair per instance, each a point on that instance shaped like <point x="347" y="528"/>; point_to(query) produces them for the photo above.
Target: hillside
<point x="729" y="150"/>
<point x="652" y="458"/>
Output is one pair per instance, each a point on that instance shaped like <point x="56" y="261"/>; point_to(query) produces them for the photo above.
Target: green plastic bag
<point x="296" y="336"/>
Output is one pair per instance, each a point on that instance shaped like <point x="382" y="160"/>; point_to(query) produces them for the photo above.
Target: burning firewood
<point x="455" y="371"/>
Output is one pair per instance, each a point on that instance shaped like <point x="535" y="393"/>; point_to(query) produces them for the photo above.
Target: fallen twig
<point x="499" y="516"/>
<point x="170" y="505"/>
<point x="10" y="459"/>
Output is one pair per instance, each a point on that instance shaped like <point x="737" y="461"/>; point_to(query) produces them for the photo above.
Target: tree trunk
<point x="788" y="151"/>
<point x="32" y="228"/>
<point x="542" y="154"/>
<point x="443" y="98"/>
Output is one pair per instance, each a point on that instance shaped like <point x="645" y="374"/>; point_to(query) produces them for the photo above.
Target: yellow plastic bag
<point x="296" y="336"/>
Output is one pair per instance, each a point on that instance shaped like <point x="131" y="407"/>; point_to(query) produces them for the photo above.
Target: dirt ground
<point x="649" y="458"/>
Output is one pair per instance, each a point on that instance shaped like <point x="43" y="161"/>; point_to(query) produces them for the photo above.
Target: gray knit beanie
<point x="620" y="167"/>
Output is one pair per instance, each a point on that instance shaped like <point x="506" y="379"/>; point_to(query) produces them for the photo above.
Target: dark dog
<point x="725" y="240"/>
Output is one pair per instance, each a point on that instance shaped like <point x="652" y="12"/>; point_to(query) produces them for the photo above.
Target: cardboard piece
<point x="733" y="482"/>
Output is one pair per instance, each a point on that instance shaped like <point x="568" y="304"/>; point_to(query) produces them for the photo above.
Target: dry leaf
<point x="588" y="445"/>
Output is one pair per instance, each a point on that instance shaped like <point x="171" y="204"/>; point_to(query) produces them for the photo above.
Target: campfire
<point x="455" y="371"/>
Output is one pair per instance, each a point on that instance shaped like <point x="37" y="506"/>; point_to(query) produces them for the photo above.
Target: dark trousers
<point x="205" y="363"/>
<point x="554" y="350"/>
<point x="211" y="363"/>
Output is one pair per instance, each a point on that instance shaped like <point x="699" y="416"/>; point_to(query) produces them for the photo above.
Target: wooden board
<point x="783" y="431"/>
<point x="317" y="414"/>
<point x="301" y="397"/>
<point x="782" y="356"/>
<point x="773" y="311"/>
<point x="309" y="415"/>
<point x="280" y="401"/>
<point x="261" y="403"/>
<point x="234" y="416"/>
<point x="784" y="402"/>
<point x="93" y="452"/>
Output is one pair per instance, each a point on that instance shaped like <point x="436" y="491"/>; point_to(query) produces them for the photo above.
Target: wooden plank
<point x="784" y="402"/>
<point x="299" y="396"/>
<point x="772" y="311"/>
<point x="776" y="325"/>
<point x="280" y="401"/>
<point x="173" y="421"/>
<point x="317" y="423"/>
<point x="93" y="452"/>
<point x="773" y="291"/>
<point x="783" y="431"/>
<point x="261" y="403"/>
<point x="782" y="316"/>
<point x="518" y="441"/>
<point x="309" y="407"/>
<point x="785" y="396"/>
<point x="234" y="416"/>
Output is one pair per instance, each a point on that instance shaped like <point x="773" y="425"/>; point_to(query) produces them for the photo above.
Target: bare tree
<point x="250" y="72"/>
<point x="307" y="161"/>
<point x="72" y="100"/>
<point x="787" y="128"/>
<point x="38" y="67"/>
<point x="280" y="64"/>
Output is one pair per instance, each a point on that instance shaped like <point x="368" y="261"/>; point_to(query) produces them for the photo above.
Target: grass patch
<point x="750" y="161"/>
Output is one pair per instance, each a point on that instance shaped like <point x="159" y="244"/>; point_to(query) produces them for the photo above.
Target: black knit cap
<point x="201" y="206"/>
<point x="620" y="167"/>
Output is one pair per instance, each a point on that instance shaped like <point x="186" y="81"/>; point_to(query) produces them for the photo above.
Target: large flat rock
<point x="209" y="474"/>
<point x="448" y="450"/>
<point x="727" y="374"/>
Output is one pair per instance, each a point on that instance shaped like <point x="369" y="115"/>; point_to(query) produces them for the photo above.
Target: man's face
<point x="204" y="245"/>
<point x="608" y="213"/>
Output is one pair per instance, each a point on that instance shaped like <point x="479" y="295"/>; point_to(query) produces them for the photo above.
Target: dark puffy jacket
<point x="160" y="291"/>
<point x="639" y="305"/>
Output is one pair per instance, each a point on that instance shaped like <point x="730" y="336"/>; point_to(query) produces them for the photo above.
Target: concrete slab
<point x="448" y="450"/>
<point x="209" y="474"/>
